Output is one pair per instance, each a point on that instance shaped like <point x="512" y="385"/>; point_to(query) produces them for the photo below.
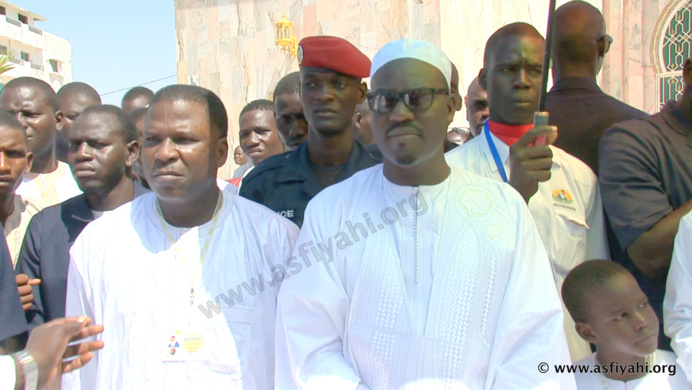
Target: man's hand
<point x="48" y="345"/>
<point x="26" y="291"/>
<point x="529" y="163"/>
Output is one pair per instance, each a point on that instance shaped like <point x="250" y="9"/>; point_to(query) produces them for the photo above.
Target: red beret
<point x="333" y="54"/>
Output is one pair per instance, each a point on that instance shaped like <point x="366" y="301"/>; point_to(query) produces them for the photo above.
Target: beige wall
<point x="228" y="45"/>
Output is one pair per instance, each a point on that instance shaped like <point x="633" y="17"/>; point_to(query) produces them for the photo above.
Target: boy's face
<point x="620" y="319"/>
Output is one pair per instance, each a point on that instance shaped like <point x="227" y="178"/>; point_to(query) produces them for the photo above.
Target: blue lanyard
<point x="493" y="150"/>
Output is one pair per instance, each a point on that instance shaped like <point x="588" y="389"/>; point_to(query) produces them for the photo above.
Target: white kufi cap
<point x="410" y="48"/>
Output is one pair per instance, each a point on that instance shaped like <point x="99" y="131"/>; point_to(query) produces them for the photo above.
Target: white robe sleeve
<point x="596" y="239"/>
<point x="78" y="302"/>
<point x="677" y="305"/>
<point x="311" y="317"/>
<point x="530" y="328"/>
<point x="8" y="376"/>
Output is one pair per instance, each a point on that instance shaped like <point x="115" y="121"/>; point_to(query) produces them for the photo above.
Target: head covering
<point x="410" y="48"/>
<point x="333" y="54"/>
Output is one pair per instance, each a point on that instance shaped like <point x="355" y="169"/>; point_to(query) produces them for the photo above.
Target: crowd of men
<point x="361" y="244"/>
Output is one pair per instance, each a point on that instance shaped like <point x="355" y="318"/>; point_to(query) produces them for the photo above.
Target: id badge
<point x="191" y="343"/>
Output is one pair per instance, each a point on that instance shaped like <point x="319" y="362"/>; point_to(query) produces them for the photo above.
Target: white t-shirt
<point x="51" y="188"/>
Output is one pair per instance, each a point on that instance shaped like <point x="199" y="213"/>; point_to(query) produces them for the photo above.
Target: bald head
<point x="73" y="99"/>
<point x="79" y="89"/>
<point x="579" y="41"/>
<point x="512" y="73"/>
<point x="476" y="107"/>
<point x="500" y="37"/>
<point x="41" y="89"/>
<point x="137" y="97"/>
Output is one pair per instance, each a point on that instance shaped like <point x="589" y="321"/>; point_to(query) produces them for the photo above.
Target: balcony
<point x="23" y="33"/>
<point x="13" y="21"/>
<point x="37" y="67"/>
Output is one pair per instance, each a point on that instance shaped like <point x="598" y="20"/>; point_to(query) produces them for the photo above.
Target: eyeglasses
<point x="419" y="99"/>
<point x="608" y="40"/>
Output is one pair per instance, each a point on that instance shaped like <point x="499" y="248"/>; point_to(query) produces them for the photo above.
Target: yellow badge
<point x="562" y="196"/>
<point x="186" y="344"/>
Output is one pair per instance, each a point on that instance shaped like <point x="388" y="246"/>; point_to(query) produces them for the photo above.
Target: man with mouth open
<point x="561" y="191"/>
<point x="171" y="263"/>
<point x="331" y="70"/>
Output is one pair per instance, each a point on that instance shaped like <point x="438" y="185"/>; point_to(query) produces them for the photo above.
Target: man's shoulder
<point x="575" y="166"/>
<point x="621" y="110"/>
<point x="55" y="212"/>
<point x="270" y="166"/>
<point x="368" y="155"/>
<point x="355" y="181"/>
<point x="637" y="125"/>
<point x="467" y="147"/>
<point x="634" y="133"/>
<point x="260" y="214"/>
<point x="459" y="156"/>
<point x="119" y="219"/>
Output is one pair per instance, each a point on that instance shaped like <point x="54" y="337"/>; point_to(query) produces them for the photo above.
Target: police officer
<point x="331" y="73"/>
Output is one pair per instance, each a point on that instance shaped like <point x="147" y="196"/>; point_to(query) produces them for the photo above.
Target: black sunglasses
<point x="419" y="99"/>
<point x="608" y="40"/>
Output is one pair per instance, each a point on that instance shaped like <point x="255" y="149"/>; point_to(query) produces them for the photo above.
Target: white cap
<point x="410" y="48"/>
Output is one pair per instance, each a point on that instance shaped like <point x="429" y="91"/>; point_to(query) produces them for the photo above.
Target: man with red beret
<point x="331" y="73"/>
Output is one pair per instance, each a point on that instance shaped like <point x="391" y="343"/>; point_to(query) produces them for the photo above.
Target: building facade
<point x="35" y="53"/>
<point x="229" y="46"/>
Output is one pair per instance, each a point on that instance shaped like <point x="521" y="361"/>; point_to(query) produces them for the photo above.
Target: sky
<point x="116" y="45"/>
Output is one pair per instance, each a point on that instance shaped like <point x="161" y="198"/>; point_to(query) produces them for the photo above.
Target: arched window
<point x="672" y="45"/>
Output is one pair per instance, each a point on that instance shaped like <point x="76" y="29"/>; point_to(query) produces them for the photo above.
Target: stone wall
<point x="228" y="45"/>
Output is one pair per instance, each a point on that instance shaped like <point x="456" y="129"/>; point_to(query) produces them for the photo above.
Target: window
<point x="55" y="66"/>
<point x="3" y="50"/>
<point x="23" y="18"/>
<point x="25" y="56"/>
<point x="3" y="11"/>
<point x="672" y="45"/>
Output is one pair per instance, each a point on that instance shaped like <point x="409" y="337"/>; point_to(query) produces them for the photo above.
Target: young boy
<point x="612" y="312"/>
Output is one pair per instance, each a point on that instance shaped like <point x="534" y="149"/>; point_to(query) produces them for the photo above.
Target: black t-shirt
<point x="645" y="173"/>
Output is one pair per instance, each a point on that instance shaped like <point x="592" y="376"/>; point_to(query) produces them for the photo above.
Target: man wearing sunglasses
<point x="429" y="277"/>
<point x="561" y="191"/>
<point x="576" y="104"/>
<point x="331" y="73"/>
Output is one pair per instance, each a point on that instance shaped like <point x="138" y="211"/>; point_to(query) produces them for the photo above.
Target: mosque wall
<point x="229" y="46"/>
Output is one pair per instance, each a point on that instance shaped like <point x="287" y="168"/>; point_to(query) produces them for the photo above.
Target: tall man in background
<point x="576" y="104"/>
<point x="35" y="105"/>
<point x="73" y="99"/>
<point x="561" y="191"/>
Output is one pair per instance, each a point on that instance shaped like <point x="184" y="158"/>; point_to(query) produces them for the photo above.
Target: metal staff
<point x="541" y="117"/>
